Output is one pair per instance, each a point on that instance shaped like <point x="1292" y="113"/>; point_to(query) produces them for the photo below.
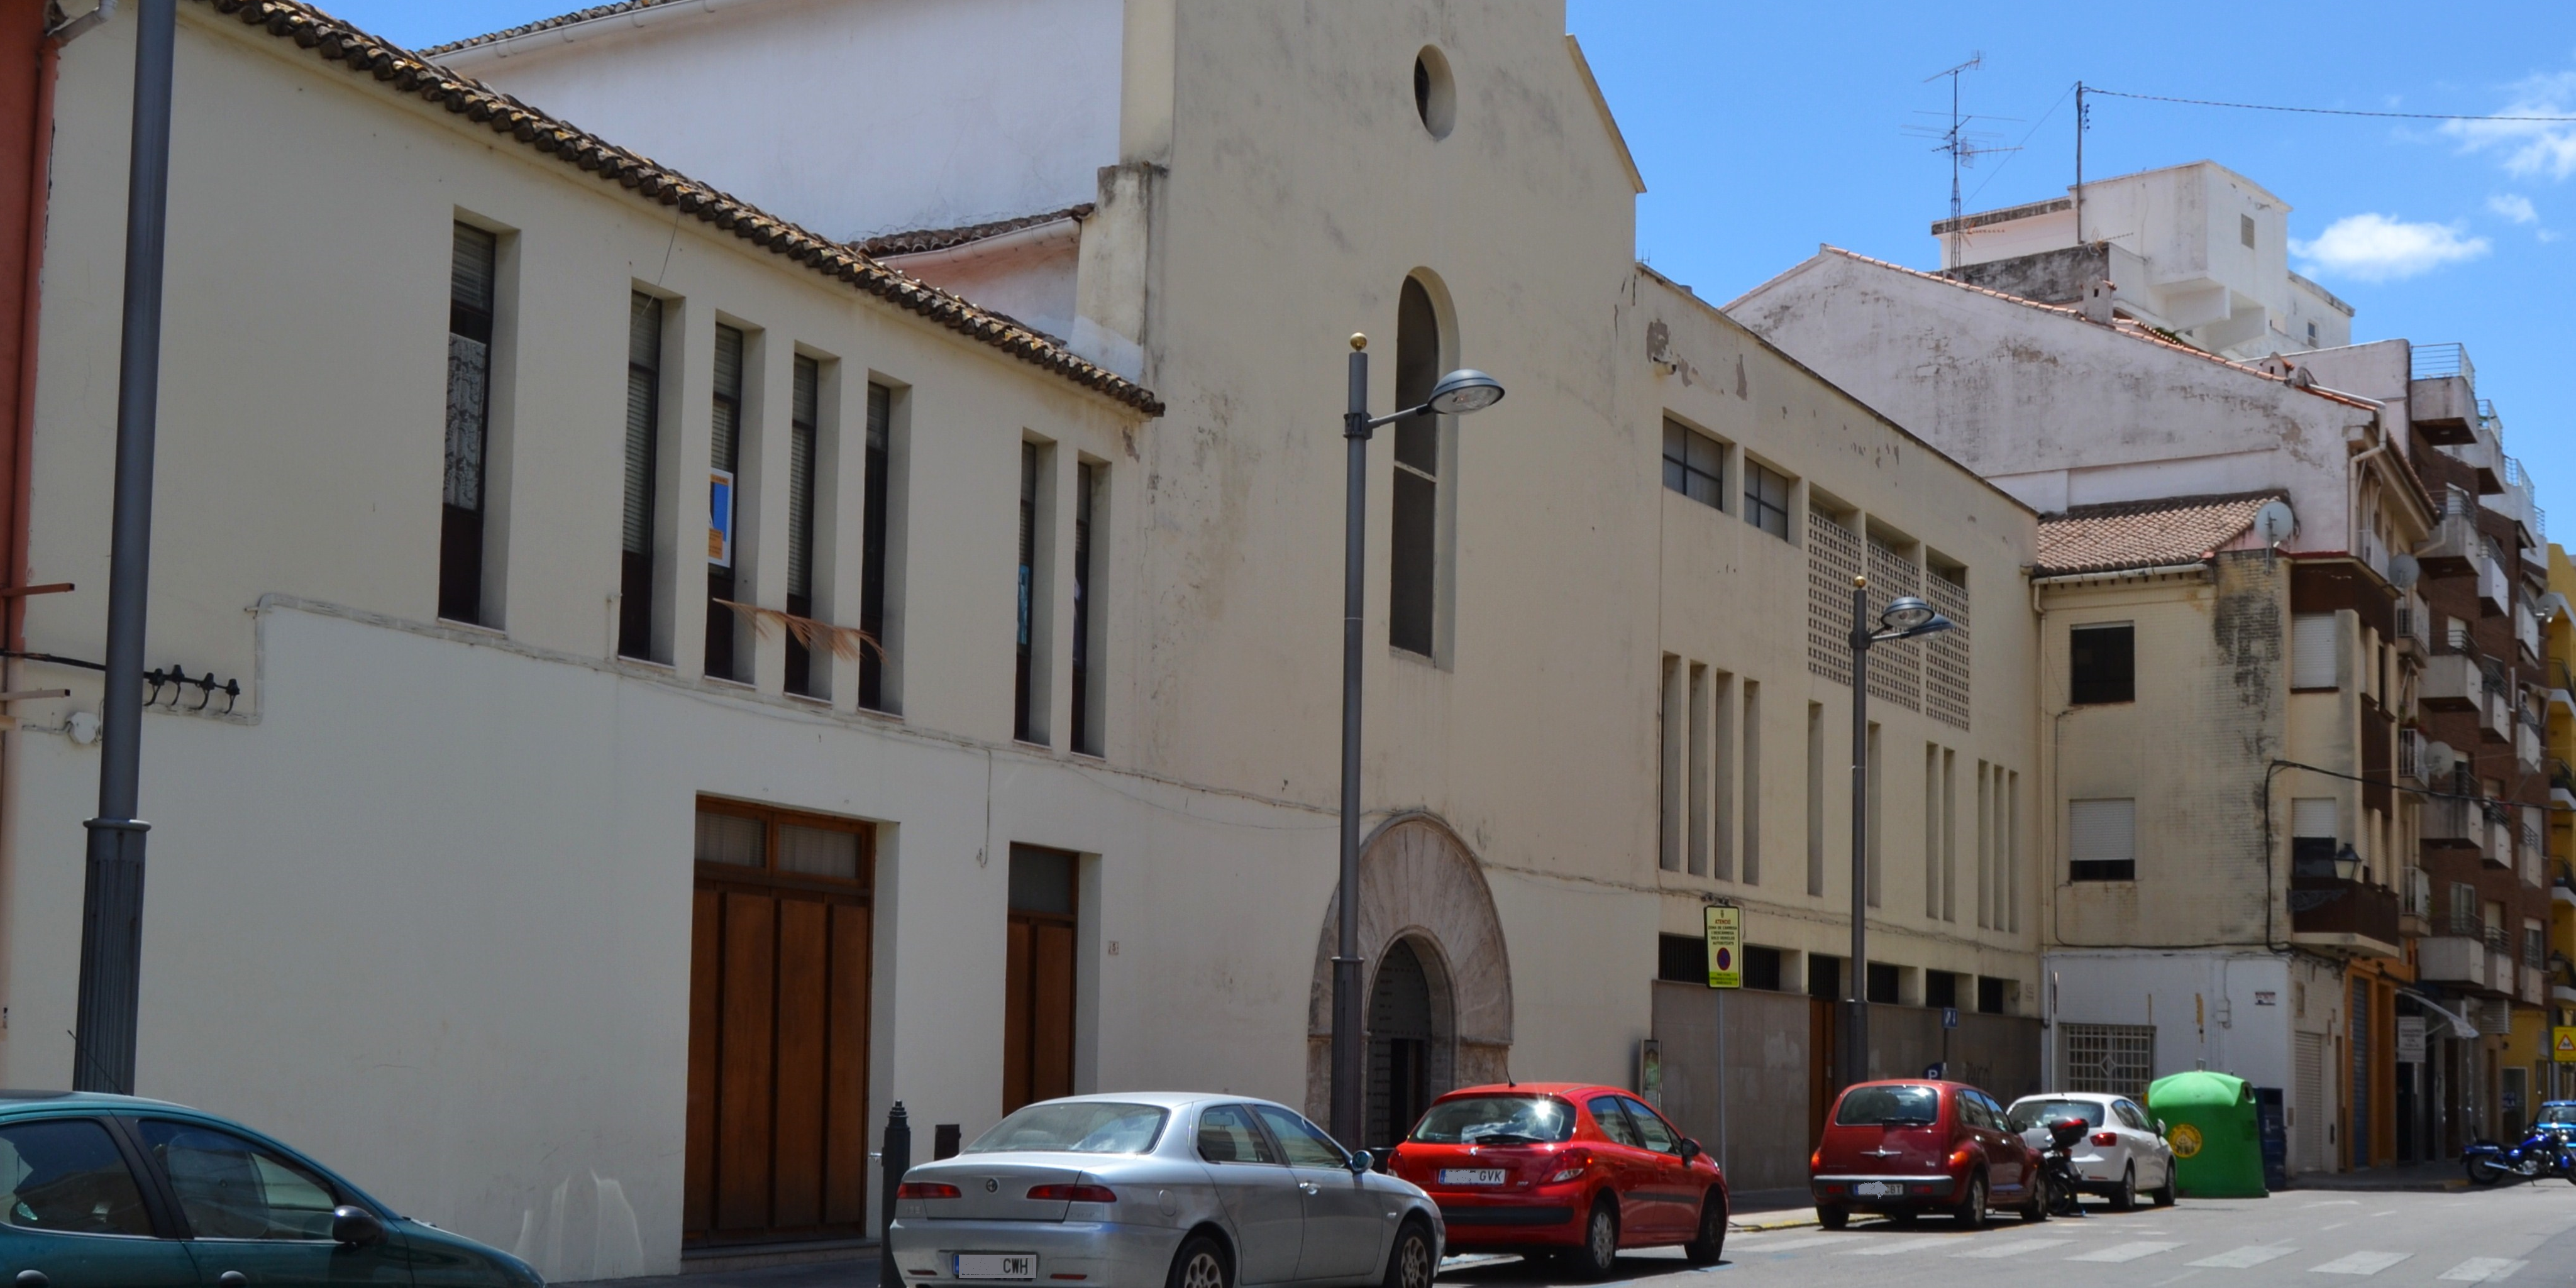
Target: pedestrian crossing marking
<point x="1802" y="1242"/>
<point x="2125" y="1252"/>
<point x="2013" y="1248"/>
<point x="2482" y="1270"/>
<point x="1894" y="1246"/>
<point x="2360" y="1263"/>
<point x="2245" y="1258"/>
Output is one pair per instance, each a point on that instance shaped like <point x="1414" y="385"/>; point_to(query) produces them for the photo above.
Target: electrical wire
<point x="2025" y="141"/>
<point x="2328" y="111"/>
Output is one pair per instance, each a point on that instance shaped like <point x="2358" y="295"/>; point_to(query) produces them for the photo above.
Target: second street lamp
<point x="1458" y="393"/>
<point x="1905" y="619"/>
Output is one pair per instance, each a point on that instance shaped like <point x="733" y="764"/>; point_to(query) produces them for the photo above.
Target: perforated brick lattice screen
<point x="1833" y="559"/>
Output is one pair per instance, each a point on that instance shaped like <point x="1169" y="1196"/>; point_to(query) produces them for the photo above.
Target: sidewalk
<point x="2428" y="1177"/>
<point x="1770" y="1209"/>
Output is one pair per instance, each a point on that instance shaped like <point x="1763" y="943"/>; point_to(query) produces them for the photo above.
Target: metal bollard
<point x="897" y="1159"/>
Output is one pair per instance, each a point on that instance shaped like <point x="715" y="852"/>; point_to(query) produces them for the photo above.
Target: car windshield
<point x="1889" y="1107"/>
<point x="1075" y="1127"/>
<point x="1496" y="1120"/>
<point x="2557" y="1115"/>
<point x="2040" y="1113"/>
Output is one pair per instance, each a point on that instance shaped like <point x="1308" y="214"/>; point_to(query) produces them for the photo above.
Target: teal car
<point x="100" y="1191"/>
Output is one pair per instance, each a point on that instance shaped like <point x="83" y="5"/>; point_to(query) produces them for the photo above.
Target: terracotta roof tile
<point x="404" y="72"/>
<point x="543" y="24"/>
<point x="922" y="241"/>
<point x="2144" y="534"/>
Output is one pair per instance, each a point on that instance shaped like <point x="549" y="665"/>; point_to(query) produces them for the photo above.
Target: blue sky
<point x="1764" y="129"/>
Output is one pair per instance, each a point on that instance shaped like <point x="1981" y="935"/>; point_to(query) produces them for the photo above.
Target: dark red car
<point x="1569" y="1169"/>
<point x="1907" y="1147"/>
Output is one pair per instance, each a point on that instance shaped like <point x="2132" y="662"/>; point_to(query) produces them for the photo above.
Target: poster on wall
<point x="2410" y="1039"/>
<point x="720" y="518"/>
<point x="1725" y="946"/>
<point x="1650" y="1072"/>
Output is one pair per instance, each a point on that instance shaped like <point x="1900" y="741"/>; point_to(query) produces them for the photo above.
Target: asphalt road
<point x="2519" y="1235"/>
<point x="2522" y="1235"/>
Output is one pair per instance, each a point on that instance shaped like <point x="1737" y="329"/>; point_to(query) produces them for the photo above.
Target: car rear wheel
<point x="1201" y="1263"/>
<point x="2125" y="1198"/>
<point x="1599" y="1254"/>
<point x="1833" y="1218"/>
<point x="1710" y="1246"/>
<point x="1409" y="1264"/>
<point x="1971" y="1212"/>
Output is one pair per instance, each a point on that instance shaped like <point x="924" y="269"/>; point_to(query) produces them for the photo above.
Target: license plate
<point x="996" y="1265"/>
<point x="1878" y="1189"/>
<point x="1471" y="1176"/>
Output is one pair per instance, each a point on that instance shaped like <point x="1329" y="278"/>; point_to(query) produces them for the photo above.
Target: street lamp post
<point x="1459" y="392"/>
<point x="1905" y="619"/>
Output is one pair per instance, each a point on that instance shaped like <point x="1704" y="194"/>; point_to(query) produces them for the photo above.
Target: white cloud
<point x="2377" y="248"/>
<point x="2515" y="207"/>
<point x="2530" y="148"/>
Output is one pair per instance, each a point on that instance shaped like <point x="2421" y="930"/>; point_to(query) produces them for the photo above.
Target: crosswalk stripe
<point x="2014" y="1248"/>
<point x="2245" y="1258"/>
<point x="1802" y="1242"/>
<point x="2482" y="1270"/>
<point x="2125" y="1252"/>
<point x="2360" y="1263"/>
<point x="1891" y="1247"/>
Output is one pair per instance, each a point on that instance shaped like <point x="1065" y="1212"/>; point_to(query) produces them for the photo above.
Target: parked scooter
<point x="2056" y="1143"/>
<point x="2541" y="1153"/>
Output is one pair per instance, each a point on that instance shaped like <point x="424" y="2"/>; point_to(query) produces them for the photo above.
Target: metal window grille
<point x="2110" y="1059"/>
<point x="1833" y="559"/>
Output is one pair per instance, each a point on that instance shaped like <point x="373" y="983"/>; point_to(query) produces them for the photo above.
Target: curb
<point x="1772" y="1220"/>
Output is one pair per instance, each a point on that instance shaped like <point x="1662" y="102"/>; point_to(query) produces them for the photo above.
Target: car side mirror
<point x="1691" y="1149"/>
<point x="2160" y="1126"/>
<point x="356" y="1227"/>
<point x="1361" y="1161"/>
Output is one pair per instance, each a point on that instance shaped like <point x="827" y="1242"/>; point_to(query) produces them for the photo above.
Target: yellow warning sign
<point x="2562" y="1045"/>
<point x="2185" y="1140"/>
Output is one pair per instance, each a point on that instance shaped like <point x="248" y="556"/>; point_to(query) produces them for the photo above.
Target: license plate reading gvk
<point x="1878" y="1189"/>
<point x="996" y="1265"/>
<point x="1471" y="1176"/>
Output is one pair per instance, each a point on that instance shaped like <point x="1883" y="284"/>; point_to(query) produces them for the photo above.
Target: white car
<point x="2123" y="1155"/>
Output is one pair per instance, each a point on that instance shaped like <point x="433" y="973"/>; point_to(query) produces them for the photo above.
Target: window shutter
<point x="2313" y="816"/>
<point x="2104" y="831"/>
<point x="800" y="480"/>
<point x="643" y="379"/>
<point x="2312" y="651"/>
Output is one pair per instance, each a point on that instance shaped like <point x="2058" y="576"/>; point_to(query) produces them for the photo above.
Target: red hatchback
<point x="1564" y="1168"/>
<point x="1913" y="1146"/>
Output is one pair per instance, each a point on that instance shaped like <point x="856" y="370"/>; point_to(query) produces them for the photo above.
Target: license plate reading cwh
<point x="1471" y="1176"/>
<point x="996" y="1265"/>
<point x="1877" y="1189"/>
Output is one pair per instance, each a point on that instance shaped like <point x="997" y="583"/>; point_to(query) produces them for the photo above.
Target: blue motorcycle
<point x="2541" y="1153"/>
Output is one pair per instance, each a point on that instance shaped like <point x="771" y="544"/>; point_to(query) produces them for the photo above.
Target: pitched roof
<point x="403" y="72"/>
<point x="2145" y="534"/>
<point x="922" y="241"/>
<point x="544" y="24"/>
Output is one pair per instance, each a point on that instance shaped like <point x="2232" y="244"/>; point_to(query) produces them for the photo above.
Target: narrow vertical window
<point x="1023" y="708"/>
<point x="803" y="427"/>
<point x="1668" y="778"/>
<point x="1766" y="499"/>
<point x="2012" y="852"/>
<point x="722" y="521"/>
<point x="1414" y="554"/>
<point x="1815" y="798"/>
<point x="1985" y="844"/>
<point x="1086" y="482"/>
<point x="1752" y="782"/>
<point x="635" y="580"/>
<point x="872" y="548"/>
<point x="1697" y="791"/>
<point x="1949" y="836"/>
<point x="1721" y="787"/>
<point x="1932" y="831"/>
<point x="469" y="396"/>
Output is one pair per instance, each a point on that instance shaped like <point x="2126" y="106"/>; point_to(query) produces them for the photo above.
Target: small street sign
<point x="1725" y="946"/>
<point x="2562" y="1044"/>
<point x="2410" y="1039"/>
<point x="1949" y="1017"/>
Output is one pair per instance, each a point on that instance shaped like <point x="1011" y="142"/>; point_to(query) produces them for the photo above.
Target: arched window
<point x="1414" y="545"/>
<point x="1435" y="96"/>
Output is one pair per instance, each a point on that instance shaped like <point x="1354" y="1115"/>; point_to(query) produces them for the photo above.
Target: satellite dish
<point x="2550" y="605"/>
<point x="2274" y="522"/>
<point x="2403" y="571"/>
<point x="2439" y="759"/>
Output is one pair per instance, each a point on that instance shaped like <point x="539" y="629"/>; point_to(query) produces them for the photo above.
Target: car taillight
<point x="925" y="1190"/>
<point x="1073" y="1193"/>
<point x="2106" y="1138"/>
<point x="1816" y="1161"/>
<point x="1570" y="1166"/>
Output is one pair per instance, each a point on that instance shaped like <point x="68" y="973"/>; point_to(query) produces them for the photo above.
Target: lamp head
<point x="1463" y="391"/>
<point x="2347" y="864"/>
<point x="1908" y="613"/>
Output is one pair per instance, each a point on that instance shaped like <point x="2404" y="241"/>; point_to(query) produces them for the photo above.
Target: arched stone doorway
<point x="1439" y="1000"/>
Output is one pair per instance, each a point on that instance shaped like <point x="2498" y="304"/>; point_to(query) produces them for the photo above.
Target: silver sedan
<point x="1169" y="1189"/>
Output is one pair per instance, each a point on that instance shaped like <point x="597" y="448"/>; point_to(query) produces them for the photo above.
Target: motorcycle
<point x="2055" y="1143"/>
<point x="2541" y="1153"/>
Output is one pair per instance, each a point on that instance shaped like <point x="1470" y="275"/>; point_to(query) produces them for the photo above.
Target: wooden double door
<point x="777" y="1141"/>
<point x="1037" y="1013"/>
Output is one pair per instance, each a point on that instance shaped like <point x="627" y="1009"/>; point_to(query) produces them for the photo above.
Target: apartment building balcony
<point x="2452" y="682"/>
<point x="2562" y="786"/>
<point x="2454" y="824"/>
<point x="2414" y="637"/>
<point x="2517" y="502"/>
<point x="2500" y="833"/>
<point x="2410" y="757"/>
<point x="2526" y="746"/>
<point x="2441" y="398"/>
<point x="2562" y="884"/>
<point x="2535" y="990"/>
<point x="2332" y="914"/>
<point x="2456" y="961"/>
<point x="2526" y="632"/>
<point x="2495" y="718"/>
<point x="2483" y="453"/>
<point x="2447" y="551"/>
<point x="2495" y="588"/>
<point x="2415" y="904"/>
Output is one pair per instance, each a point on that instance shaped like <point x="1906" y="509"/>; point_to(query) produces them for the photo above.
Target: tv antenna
<point x="1962" y="144"/>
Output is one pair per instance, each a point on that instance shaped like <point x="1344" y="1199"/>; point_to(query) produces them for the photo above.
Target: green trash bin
<point x="2211" y="1123"/>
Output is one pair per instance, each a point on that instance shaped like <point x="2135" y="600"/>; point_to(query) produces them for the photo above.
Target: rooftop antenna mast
<point x="1962" y="145"/>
